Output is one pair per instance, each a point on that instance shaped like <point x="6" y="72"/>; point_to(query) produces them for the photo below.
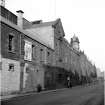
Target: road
<point x="82" y="95"/>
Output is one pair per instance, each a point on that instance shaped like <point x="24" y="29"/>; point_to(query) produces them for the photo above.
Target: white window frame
<point x="28" y="50"/>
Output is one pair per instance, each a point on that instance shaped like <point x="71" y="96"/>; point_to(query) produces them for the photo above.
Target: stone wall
<point x="32" y="77"/>
<point x="56" y="54"/>
<point x="10" y="78"/>
<point x="5" y="32"/>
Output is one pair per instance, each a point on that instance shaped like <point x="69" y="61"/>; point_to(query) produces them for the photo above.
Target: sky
<point x="85" y="18"/>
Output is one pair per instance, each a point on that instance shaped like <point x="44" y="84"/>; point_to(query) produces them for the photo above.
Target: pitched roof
<point x="42" y="24"/>
<point x="5" y="21"/>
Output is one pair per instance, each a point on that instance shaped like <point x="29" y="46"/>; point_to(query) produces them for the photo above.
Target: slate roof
<point x="43" y="24"/>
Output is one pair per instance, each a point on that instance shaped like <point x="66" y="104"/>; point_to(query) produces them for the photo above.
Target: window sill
<point x="12" y="52"/>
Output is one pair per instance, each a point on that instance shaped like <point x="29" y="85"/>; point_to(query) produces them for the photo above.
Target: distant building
<point x="75" y="43"/>
<point x="100" y="74"/>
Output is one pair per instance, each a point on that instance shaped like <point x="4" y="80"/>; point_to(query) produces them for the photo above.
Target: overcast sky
<point x="85" y="18"/>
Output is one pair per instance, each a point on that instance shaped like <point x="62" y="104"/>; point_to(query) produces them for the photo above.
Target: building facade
<point x="22" y="57"/>
<point x="10" y="53"/>
<point x="37" y="53"/>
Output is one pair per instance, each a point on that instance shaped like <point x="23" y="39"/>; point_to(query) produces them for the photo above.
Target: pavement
<point x="82" y="95"/>
<point x="7" y="97"/>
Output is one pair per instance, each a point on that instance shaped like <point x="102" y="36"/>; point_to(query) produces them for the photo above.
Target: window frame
<point x="27" y="42"/>
<point x="41" y="55"/>
<point x="34" y="51"/>
<point x="10" y="67"/>
<point x="12" y="43"/>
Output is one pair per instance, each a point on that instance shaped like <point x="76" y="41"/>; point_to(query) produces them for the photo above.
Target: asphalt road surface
<point x="82" y="95"/>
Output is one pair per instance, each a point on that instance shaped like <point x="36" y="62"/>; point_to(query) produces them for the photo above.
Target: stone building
<point x="10" y="52"/>
<point x="37" y="53"/>
<point x="75" y="54"/>
<point x="75" y="43"/>
<point x="66" y="55"/>
<point x="22" y="55"/>
<point x="52" y="34"/>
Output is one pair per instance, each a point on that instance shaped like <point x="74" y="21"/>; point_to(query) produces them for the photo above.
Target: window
<point x="60" y="60"/>
<point x="41" y="49"/>
<point x="33" y="51"/>
<point x="27" y="69"/>
<point x="49" y="59"/>
<point x="41" y="55"/>
<point x="11" y="67"/>
<point x="56" y="44"/>
<point x="28" y="50"/>
<point x="60" y="39"/>
<point x="48" y="53"/>
<point x="11" y="46"/>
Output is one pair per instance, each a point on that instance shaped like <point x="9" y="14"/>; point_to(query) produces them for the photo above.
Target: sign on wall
<point x="28" y="50"/>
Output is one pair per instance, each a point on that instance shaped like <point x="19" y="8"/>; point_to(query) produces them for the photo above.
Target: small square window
<point x="11" y="67"/>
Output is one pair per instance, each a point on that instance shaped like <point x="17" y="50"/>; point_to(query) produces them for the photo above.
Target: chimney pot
<point x="19" y="11"/>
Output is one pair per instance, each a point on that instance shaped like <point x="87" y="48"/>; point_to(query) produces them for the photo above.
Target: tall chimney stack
<point x="20" y="18"/>
<point x="2" y="3"/>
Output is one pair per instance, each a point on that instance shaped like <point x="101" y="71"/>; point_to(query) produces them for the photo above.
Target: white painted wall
<point x="44" y="34"/>
<point x="10" y="81"/>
